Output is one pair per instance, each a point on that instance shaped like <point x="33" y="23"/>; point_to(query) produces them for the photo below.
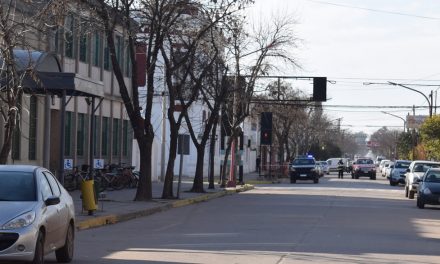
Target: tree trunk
<point x="198" y="179"/>
<point x="144" y="191"/>
<point x="225" y="164"/>
<point x="212" y="154"/>
<point x="167" y="192"/>
<point x="7" y="140"/>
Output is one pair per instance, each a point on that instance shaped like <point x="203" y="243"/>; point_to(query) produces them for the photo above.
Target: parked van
<point x="333" y="163"/>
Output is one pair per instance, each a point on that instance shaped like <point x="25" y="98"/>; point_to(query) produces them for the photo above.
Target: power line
<point x="374" y="10"/>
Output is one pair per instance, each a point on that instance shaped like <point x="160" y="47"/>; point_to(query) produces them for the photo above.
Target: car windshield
<point x="402" y="165"/>
<point x="303" y="162"/>
<point x="423" y="167"/>
<point x="433" y="177"/>
<point x="364" y="161"/>
<point x="17" y="186"/>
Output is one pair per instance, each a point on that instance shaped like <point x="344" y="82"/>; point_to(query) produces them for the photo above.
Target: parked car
<point x="363" y="167"/>
<point x="414" y="174"/>
<point x="322" y="168"/>
<point x="37" y="215"/>
<point x="382" y="164"/>
<point x="378" y="160"/>
<point x="429" y="188"/>
<point x="398" y="172"/>
<point x="388" y="170"/>
<point x="385" y="166"/>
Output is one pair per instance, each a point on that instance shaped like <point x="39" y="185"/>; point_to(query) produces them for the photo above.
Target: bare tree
<point x="269" y="42"/>
<point x="19" y="23"/>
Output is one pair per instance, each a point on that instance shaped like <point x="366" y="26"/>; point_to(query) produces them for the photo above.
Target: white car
<point x="415" y="173"/>
<point x="37" y="215"/>
<point x="388" y="169"/>
<point x="382" y="164"/>
<point x="323" y="167"/>
<point x="384" y="167"/>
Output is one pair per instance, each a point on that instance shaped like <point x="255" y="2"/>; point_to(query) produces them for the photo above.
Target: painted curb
<point x="116" y="218"/>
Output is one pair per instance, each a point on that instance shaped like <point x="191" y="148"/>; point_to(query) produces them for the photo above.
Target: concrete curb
<point x="116" y="218"/>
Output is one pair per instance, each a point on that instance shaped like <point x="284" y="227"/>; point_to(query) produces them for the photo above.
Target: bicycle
<point x="106" y="179"/>
<point x="72" y="180"/>
<point x="126" y="178"/>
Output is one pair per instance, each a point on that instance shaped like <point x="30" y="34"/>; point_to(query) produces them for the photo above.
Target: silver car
<point x="37" y="215"/>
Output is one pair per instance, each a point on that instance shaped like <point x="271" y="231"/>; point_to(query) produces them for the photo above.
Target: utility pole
<point x="164" y="127"/>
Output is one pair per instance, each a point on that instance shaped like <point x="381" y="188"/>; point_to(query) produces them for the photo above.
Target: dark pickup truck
<point x="303" y="168"/>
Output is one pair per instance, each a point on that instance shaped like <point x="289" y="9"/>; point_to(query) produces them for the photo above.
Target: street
<point x="335" y="221"/>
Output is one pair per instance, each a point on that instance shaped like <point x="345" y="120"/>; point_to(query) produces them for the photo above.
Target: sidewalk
<point x="118" y="206"/>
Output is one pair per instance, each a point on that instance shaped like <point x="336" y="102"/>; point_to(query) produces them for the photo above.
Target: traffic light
<point x="266" y="128"/>
<point x="266" y="137"/>
<point x="319" y="89"/>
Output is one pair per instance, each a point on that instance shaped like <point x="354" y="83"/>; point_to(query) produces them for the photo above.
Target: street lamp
<point x="404" y="121"/>
<point x="409" y="88"/>
<point x="417" y="91"/>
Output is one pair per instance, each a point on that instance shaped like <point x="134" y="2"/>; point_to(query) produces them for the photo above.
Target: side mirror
<point x="392" y="166"/>
<point x="407" y="170"/>
<point x="52" y="201"/>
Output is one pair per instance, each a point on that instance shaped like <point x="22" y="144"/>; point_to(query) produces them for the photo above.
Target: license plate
<point x="303" y="175"/>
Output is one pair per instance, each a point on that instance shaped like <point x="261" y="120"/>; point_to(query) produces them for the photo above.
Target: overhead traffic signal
<point x="266" y="128"/>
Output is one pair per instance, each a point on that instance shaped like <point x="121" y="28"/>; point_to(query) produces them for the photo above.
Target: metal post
<point x="164" y="127"/>
<point x="47" y="124"/>
<point x="62" y="137"/>
<point x="180" y="141"/>
<point x="92" y="139"/>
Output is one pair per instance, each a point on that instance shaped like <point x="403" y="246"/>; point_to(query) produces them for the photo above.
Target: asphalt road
<point x="335" y="221"/>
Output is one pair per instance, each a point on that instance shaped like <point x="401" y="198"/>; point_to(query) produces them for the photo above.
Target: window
<point x="17" y="186"/>
<point x="105" y="133"/>
<point x="16" y="143"/>
<point x="69" y="50"/>
<point x="68" y="134"/>
<point x="45" y="189"/>
<point x="95" y="135"/>
<point x="127" y="62"/>
<point x="106" y="57"/>
<point x="53" y="183"/>
<point x="54" y="40"/>
<point x="32" y="127"/>
<point x="97" y="50"/>
<point x="80" y="135"/>
<point x="115" y="137"/>
<point x="118" y="47"/>
<point x="125" y="138"/>
<point x="83" y="43"/>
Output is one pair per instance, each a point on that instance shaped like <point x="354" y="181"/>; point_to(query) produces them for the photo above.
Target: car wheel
<point x="406" y="191"/>
<point x="393" y="183"/>
<point x="411" y="195"/>
<point x="420" y="204"/>
<point x="65" y="254"/>
<point x="316" y="180"/>
<point x="39" y="249"/>
<point x="356" y="176"/>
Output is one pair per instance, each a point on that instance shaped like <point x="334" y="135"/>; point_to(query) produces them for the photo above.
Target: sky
<point x="354" y="42"/>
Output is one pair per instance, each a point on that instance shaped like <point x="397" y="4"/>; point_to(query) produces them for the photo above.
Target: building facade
<point x="82" y="51"/>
